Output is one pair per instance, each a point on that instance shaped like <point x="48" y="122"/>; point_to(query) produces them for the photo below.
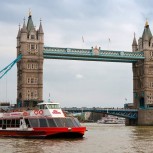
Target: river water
<point x="100" y="138"/>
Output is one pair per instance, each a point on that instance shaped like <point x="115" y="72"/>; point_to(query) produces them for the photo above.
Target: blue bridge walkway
<point x="93" y="54"/>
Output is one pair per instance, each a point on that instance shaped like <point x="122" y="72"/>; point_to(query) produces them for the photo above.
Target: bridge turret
<point x="30" y="68"/>
<point x="23" y="36"/>
<point x="19" y="33"/>
<point x="134" y="44"/>
<point x="30" y="25"/>
<point x="40" y="33"/>
<point x="146" y="36"/>
<point x="18" y="37"/>
<point x="143" y="78"/>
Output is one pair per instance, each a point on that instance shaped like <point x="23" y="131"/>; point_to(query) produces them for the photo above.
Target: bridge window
<point x="35" y="95"/>
<point x="28" y="80"/>
<point x="32" y="80"/>
<point x="36" y="66"/>
<point x="151" y="54"/>
<point x="32" y="46"/>
<point x="32" y="66"/>
<point x="28" y="66"/>
<point x="32" y="36"/>
<point x="35" y="80"/>
<point x="151" y="84"/>
<point x="31" y="94"/>
<point x="28" y="94"/>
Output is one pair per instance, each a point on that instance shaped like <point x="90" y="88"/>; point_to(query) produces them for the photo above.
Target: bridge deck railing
<point x="92" y="55"/>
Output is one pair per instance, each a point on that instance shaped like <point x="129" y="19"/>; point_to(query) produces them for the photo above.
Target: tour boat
<point x="47" y="121"/>
<point x="111" y="120"/>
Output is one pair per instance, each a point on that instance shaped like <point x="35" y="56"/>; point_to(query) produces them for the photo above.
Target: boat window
<point x="0" y="123"/>
<point x="58" y="122"/>
<point x="53" y="106"/>
<point x="41" y="106"/>
<point x="4" y="124"/>
<point x="33" y="122"/>
<point x="77" y="122"/>
<point x="43" y="122"/>
<point x="69" y="122"/>
<point x="8" y="123"/>
<point x="13" y="123"/>
<point x="27" y="122"/>
<point x="63" y="121"/>
<point x="51" y="122"/>
<point x="17" y="123"/>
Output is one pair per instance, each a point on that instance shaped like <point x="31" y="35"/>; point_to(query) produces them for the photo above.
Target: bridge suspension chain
<point x="4" y="71"/>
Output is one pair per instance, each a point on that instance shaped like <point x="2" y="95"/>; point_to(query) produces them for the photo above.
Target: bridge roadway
<point x="93" y="54"/>
<point x="125" y="113"/>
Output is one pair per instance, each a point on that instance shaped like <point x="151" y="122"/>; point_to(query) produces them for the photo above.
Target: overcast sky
<point x="77" y="83"/>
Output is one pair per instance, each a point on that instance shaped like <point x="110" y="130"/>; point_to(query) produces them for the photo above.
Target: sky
<point x="77" y="83"/>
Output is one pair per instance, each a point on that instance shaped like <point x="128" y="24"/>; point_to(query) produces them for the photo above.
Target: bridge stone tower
<point x="30" y="43"/>
<point x="143" y="78"/>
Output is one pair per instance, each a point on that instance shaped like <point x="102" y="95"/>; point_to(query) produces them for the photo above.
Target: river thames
<point x="100" y="138"/>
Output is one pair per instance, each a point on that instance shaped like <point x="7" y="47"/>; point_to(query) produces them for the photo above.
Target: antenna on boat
<point x="49" y="98"/>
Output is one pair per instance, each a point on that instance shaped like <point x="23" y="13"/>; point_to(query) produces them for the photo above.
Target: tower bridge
<point x="31" y="53"/>
<point x="93" y="54"/>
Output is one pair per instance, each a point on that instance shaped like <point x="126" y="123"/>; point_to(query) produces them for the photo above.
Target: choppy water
<point x="98" y="139"/>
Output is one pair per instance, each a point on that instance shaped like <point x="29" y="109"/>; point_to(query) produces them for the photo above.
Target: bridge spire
<point x="24" y="29"/>
<point x="30" y="24"/>
<point x="40" y="28"/>
<point x="134" y="41"/>
<point x="134" y="44"/>
<point x="19" y="32"/>
<point x="147" y="35"/>
<point x="30" y="13"/>
<point x="146" y="24"/>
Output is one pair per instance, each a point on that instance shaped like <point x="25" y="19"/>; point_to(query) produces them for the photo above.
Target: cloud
<point x="79" y="76"/>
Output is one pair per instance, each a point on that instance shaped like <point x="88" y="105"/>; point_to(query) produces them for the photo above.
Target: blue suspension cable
<point x="7" y="68"/>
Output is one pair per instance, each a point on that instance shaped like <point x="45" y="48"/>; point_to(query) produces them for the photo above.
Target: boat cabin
<point x="48" y="109"/>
